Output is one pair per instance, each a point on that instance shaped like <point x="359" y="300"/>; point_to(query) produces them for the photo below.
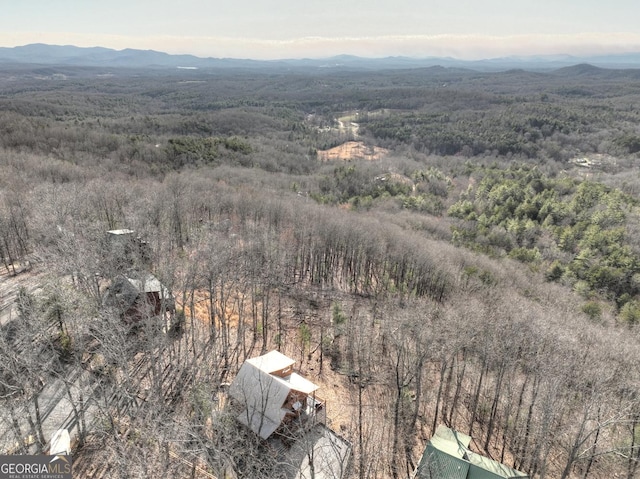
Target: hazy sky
<point x="318" y="28"/>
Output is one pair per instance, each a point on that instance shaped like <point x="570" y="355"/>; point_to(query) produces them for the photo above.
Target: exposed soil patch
<point x="234" y="308"/>
<point x="352" y="150"/>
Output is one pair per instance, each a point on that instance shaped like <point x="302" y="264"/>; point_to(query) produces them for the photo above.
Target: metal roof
<point x="298" y="383"/>
<point x="60" y="443"/>
<point x="263" y="394"/>
<point x="436" y="465"/>
<point x="448" y="456"/>
<point x="452" y="442"/>
<point x="493" y="467"/>
<point x="124" y="291"/>
<point x="148" y="284"/>
<point x="259" y="423"/>
<point x="271" y="362"/>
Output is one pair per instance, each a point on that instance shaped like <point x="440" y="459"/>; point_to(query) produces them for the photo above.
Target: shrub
<point x="555" y="271"/>
<point x="630" y="313"/>
<point x="593" y="310"/>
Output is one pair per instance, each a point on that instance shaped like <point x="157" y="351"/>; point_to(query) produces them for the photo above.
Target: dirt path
<point x="345" y="125"/>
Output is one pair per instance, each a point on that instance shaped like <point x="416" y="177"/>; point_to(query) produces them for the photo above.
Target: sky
<point x="276" y="29"/>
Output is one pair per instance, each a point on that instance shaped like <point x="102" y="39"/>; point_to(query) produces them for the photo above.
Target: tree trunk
<point x="36" y="405"/>
<point x="494" y="406"/>
<point x="476" y="397"/>
<point x="634" y="450"/>
<point x="534" y="394"/>
<point x="459" y="380"/>
<point x="443" y="370"/>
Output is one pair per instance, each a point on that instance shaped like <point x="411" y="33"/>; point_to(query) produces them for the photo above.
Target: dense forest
<point x="481" y="270"/>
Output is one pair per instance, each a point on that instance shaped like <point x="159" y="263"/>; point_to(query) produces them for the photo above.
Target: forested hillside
<point x="482" y="272"/>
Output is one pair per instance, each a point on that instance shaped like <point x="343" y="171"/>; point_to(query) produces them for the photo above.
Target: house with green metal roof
<point x="447" y="456"/>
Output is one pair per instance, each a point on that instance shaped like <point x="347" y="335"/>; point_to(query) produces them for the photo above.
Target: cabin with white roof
<point x="274" y="397"/>
<point x="283" y="408"/>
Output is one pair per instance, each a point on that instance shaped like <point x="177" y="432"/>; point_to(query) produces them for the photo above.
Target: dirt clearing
<point x="352" y="150"/>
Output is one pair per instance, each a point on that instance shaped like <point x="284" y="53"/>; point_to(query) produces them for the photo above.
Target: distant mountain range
<point x="41" y="54"/>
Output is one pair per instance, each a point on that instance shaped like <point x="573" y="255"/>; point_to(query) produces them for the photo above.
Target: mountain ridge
<point x="45" y="54"/>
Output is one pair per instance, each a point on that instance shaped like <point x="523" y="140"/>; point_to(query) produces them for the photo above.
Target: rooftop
<point x="271" y="362"/>
<point x="448" y="453"/>
<point x="265" y="394"/>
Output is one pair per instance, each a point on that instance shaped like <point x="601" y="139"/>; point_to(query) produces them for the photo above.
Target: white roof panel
<point x="262" y="425"/>
<point x="60" y="443"/>
<point x="262" y="394"/>
<point x="148" y="284"/>
<point x="271" y="362"/>
<point x="301" y="384"/>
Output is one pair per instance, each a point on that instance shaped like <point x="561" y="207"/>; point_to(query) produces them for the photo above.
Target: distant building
<point x="123" y="233"/>
<point x="447" y="456"/>
<point x="136" y="298"/>
<point x="124" y="250"/>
